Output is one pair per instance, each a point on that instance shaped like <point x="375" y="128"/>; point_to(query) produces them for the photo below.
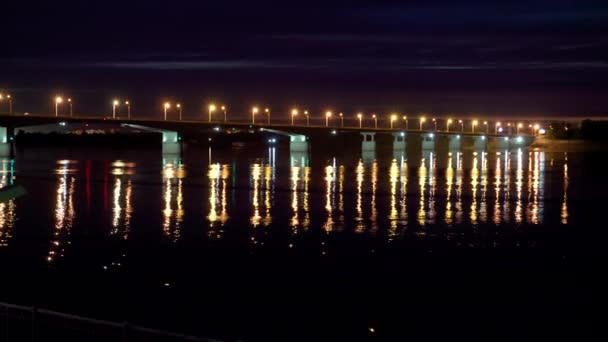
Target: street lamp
<point x="393" y="118"/>
<point x="360" y="117"/>
<point x="461" y="125"/>
<point x="307" y="118"/>
<point x="473" y="124"/>
<point x="496" y="127"/>
<point x="166" y="107"/>
<point x="341" y="120"/>
<point x="71" y="111"/>
<point x="128" y="104"/>
<point x="486" y="123"/>
<point x="294" y="113"/>
<point x="406" y="124"/>
<point x="254" y="111"/>
<point x="179" y="108"/>
<point x="327" y="116"/>
<point x="58" y="100"/>
<point x="211" y="109"/>
<point x="435" y="122"/>
<point x="422" y="120"/>
<point x="114" y="104"/>
<point x="267" y="111"/>
<point x="519" y="125"/>
<point x="10" y="102"/>
<point x="447" y="125"/>
<point x="536" y="128"/>
<point x="375" y="120"/>
<point x="224" y="110"/>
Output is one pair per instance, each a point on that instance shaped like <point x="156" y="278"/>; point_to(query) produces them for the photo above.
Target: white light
<point x="500" y="129"/>
<point x="520" y="139"/>
<point x="431" y="135"/>
<point x="334" y="132"/>
<point x="542" y="131"/>
<point x="217" y="129"/>
<point x="62" y="123"/>
<point x="506" y="138"/>
<point x="458" y="136"/>
<point x="483" y="137"/>
<point x="402" y="134"/>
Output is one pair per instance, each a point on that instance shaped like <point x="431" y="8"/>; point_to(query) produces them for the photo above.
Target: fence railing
<point x="25" y="323"/>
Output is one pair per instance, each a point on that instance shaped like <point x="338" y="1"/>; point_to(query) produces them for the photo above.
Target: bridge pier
<point x="171" y="143"/>
<point x="369" y="141"/>
<point x="298" y="143"/>
<point x="428" y="141"/>
<point x="454" y="142"/>
<point x="5" y="143"/>
<point x="480" y="143"/>
<point x="499" y="143"/>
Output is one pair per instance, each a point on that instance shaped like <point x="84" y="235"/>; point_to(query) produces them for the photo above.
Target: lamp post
<point x="307" y="118"/>
<point x="406" y="124"/>
<point x="519" y="125"/>
<point x="327" y="116"/>
<point x="536" y="128"/>
<point x="393" y="118"/>
<point x="211" y="109"/>
<point x="422" y="120"/>
<point x="447" y="125"/>
<point x="128" y="104"/>
<point x="294" y="113"/>
<point x="341" y="119"/>
<point x="70" y="103"/>
<point x="10" y="102"/>
<point x="360" y="117"/>
<point x="166" y="107"/>
<point x="435" y="122"/>
<point x="225" y="115"/>
<point x="179" y="108"/>
<point x="254" y="111"/>
<point x="375" y="120"/>
<point x="461" y="125"/>
<point x="496" y="127"/>
<point x="58" y="101"/>
<point x="114" y="104"/>
<point x="267" y="111"/>
<point x="473" y="124"/>
<point x="487" y="128"/>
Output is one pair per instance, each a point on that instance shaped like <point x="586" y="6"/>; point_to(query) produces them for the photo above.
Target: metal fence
<point x="23" y="323"/>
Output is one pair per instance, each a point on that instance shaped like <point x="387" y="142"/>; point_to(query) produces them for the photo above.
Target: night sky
<point x="443" y="57"/>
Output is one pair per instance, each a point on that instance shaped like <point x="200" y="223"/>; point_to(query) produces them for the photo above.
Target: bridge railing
<point x="25" y="323"/>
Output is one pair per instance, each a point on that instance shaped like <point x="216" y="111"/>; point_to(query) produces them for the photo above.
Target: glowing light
<point x="58" y="99"/>
<point x="167" y="105"/>
<point x="212" y="107"/>
<point x="328" y="114"/>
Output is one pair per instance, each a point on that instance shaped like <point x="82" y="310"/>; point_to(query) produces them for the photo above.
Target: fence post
<point x="125" y="331"/>
<point x="6" y="324"/>
<point x="34" y="314"/>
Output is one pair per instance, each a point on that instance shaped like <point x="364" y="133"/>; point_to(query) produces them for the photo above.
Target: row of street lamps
<point x="393" y="119"/>
<point x="8" y="99"/>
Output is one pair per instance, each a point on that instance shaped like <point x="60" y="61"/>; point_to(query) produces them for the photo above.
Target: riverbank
<point x="567" y="145"/>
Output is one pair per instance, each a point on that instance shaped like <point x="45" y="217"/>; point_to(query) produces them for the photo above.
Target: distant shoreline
<point x="567" y="145"/>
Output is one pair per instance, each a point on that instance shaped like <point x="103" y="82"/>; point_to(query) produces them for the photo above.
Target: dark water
<point x="255" y="244"/>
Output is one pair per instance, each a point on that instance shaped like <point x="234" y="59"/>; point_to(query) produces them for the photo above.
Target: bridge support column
<point x="298" y="143"/>
<point x="499" y="143"/>
<point x="428" y="141"/>
<point x="480" y="143"/>
<point x="454" y="142"/>
<point x="369" y="141"/>
<point x="5" y="144"/>
<point x="171" y="143"/>
<point x="399" y="144"/>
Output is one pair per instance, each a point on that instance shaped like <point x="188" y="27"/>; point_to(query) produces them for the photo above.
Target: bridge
<point x="301" y="137"/>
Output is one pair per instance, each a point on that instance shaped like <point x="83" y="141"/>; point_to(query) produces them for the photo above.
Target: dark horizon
<point x="474" y="58"/>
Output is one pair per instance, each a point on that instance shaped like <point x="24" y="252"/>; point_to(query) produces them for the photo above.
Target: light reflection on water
<point x="361" y="196"/>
